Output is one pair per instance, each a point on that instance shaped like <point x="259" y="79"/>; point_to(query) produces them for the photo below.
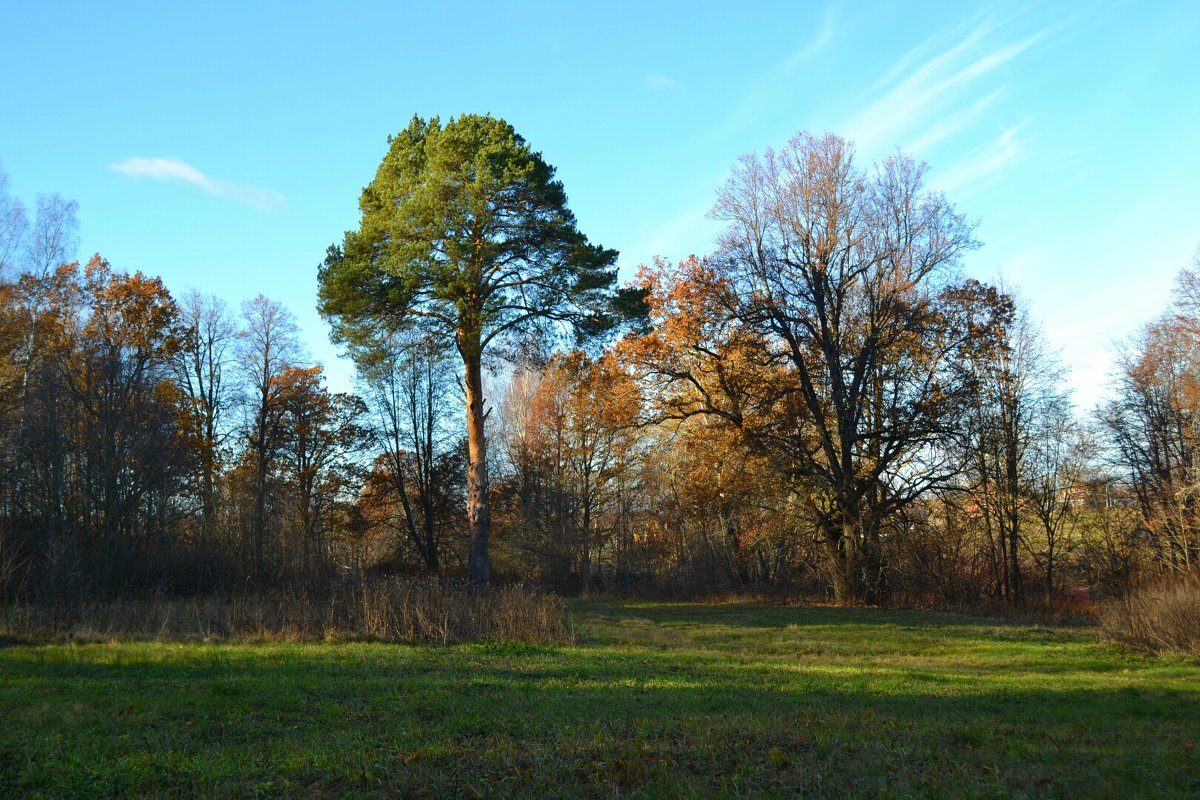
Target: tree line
<point x="823" y="404"/>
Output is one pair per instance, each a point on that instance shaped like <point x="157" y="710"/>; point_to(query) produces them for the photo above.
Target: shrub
<point x="1158" y="617"/>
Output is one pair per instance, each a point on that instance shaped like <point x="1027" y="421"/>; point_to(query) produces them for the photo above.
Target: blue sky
<point x="224" y="146"/>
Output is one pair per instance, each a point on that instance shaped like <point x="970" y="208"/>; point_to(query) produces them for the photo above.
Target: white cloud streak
<point x="952" y="123"/>
<point x="762" y="97"/>
<point x="981" y="166"/>
<point x="937" y="89"/>
<point x="177" y="171"/>
<point x="814" y="46"/>
<point x="689" y="232"/>
<point x="658" y="82"/>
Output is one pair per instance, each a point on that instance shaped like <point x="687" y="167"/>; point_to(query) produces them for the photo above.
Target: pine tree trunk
<point x="477" y="476"/>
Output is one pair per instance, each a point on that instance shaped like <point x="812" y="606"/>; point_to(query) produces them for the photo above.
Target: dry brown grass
<point x="386" y="609"/>
<point x="1159" y="617"/>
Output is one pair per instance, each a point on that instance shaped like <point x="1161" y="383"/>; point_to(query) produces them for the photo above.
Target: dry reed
<point x="383" y="609"/>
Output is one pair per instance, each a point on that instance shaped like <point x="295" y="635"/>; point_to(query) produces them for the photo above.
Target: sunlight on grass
<point x="679" y="700"/>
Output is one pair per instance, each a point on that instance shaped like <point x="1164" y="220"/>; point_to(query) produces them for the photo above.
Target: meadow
<point x="651" y="700"/>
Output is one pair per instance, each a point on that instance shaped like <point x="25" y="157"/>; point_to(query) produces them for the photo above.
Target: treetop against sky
<point x="224" y="146"/>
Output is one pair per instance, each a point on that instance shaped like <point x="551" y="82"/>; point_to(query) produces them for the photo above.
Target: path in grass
<point x="655" y="700"/>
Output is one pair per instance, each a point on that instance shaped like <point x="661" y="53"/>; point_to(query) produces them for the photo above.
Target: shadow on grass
<point x="753" y="615"/>
<point x="384" y="720"/>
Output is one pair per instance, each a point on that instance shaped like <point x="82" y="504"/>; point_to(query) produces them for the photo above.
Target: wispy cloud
<point x="931" y="93"/>
<point x="173" y="169"/>
<point x="979" y="167"/>
<point x="763" y="94"/>
<point x="658" y="82"/>
<point x="814" y="47"/>
<point x="688" y="232"/>
<point x="952" y="123"/>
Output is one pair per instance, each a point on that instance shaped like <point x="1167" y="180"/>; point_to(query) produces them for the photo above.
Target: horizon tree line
<point x="824" y="404"/>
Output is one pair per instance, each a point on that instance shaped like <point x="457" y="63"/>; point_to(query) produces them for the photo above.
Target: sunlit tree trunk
<point x="478" y="567"/>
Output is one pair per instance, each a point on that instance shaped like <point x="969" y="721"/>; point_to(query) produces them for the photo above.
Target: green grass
<point x="655" y="700"/>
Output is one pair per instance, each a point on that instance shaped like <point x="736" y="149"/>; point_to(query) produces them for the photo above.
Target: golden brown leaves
<point x="133" y="312"/>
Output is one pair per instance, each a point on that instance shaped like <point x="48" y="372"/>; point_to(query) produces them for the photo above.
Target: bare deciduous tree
<point x="410" y="390"/>
<point x="269" y="344"/>
<point x="203" y="372"/>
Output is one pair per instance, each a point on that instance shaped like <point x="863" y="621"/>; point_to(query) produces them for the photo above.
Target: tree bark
<point x="478" y="567"/>
<point x="839" y="545"/>
<point x="1012" y="477"/>
<point x="261" y="467"/>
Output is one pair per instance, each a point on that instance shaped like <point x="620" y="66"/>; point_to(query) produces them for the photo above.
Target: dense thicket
<point x="824" y="405"/>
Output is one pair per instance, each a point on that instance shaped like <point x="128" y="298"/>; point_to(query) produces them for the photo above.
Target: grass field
<point x="655" y="700"/>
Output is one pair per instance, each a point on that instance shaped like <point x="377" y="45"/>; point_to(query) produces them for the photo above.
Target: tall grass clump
<point x="1158" y="617"/>
<point x="393" y="609"/>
